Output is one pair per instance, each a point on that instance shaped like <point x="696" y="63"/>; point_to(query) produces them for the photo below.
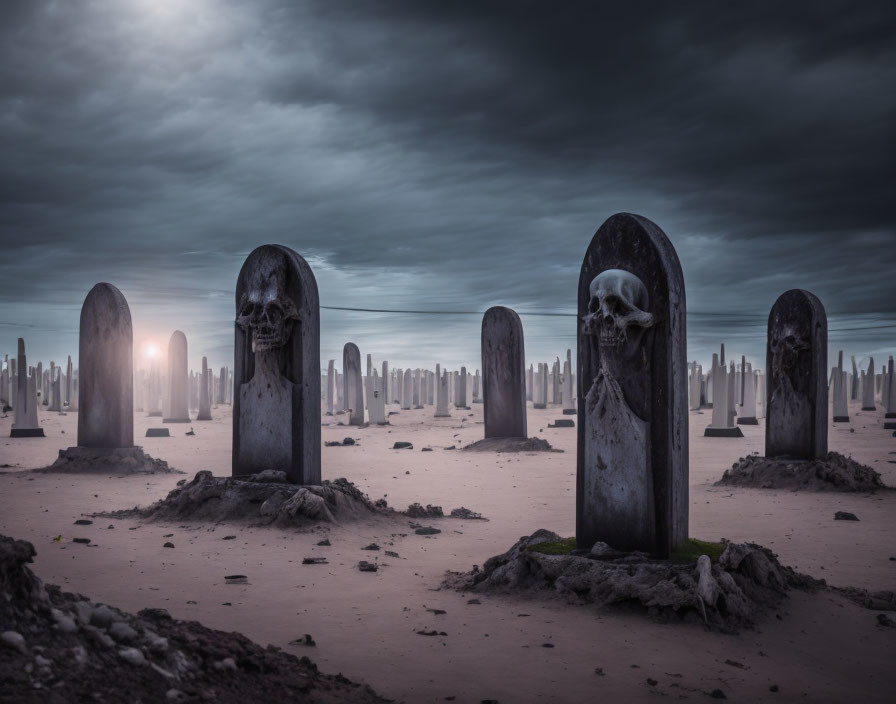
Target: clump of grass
<point x="691" y="549"/>
<point x="557" y="547"/>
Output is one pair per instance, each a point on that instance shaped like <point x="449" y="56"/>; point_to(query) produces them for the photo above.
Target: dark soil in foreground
<point x="57" y="647"/>
<point x="833" y="473"/>
<point x="120" y="461"/>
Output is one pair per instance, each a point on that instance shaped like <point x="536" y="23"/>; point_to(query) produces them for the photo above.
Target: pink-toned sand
<point x="823" y="649"/>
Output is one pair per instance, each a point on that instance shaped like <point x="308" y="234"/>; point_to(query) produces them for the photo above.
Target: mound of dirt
<point x="729" y="594"/>
<point x="511" y="445"/>
<point x="833" y="473"/>
<point x="59" y="647"/>
<point x="119" y="460"/>
<point x="266" y="498"/>
<point x="430" y="511"/>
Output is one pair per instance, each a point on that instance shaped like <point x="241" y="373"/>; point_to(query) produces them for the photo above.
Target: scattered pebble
<point x="845" y="516"/>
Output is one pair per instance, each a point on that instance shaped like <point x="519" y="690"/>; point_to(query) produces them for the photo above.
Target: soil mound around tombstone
<point x="833" y="473"/>
<point x="266" y="498"/>
<point x="727" y="594"/>
<point x="59" y="647"/>
<point x="511" y="445"/>
<point x="119" y="460"/>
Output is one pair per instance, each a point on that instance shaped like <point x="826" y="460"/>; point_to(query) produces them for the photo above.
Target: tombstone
<point x="460" y="395"/>
<point x="530" y="383"/>
<point x="569" y="396"/>
<point x="722" y="424"/>
<point x="796" y="365"/>
<point x="417" y="388"/>
<point x="351" y="370"/>
<point x="26" y="424"/>
<point x="407" y="389"/>
<point x="748" y="407"/>
<point x="205" y="411"/>
<point x="442" y="396"/>
<point x="105" y="361"/>
<point x="178" y="381"/>
<point x="376" y="406"/>
<point x="503" y="374"/>
<point x="868" y="388"/>
<point x="890" y="400"/>
<point x="276" y="376"/>
<point x="838" y="384"/>
<point x="854" y="382"/>
<point x="331" y="387"/>
<point x="70" y="402"/>
<point x="632" y="473"/>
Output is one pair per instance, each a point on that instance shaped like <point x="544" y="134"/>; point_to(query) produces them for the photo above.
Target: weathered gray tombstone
<point x="460" y="394"/>
<point x="26" y="424"/>
<point x="868" y="388"/>
<point x="838" y="386"/>
<point x="632" y="473"/>
<point x="205" y="411"/>
<point x="178" y="380"/>
<point x="351" y="370"/>
<point x="503" y="374"/>
<point x="106" y="363"/>
<point x="796" y="367"/>
<point x="276" y="399"/>
<point x="890" y="400"/>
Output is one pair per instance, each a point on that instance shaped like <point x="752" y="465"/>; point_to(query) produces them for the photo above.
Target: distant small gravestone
<point x="503" y="374"/>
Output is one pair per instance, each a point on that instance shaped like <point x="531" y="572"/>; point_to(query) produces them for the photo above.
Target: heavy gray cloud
<point x="443" y="156"/>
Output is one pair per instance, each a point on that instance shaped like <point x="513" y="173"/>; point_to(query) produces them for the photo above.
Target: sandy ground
<point x="822" y="649"/>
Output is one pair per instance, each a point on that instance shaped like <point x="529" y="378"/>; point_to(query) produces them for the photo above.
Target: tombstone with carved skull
<point x="797" y="389"/>
<point x="276" y="404"/>
<point x="632" y="474"/>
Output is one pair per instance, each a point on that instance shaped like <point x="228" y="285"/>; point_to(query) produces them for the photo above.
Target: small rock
<point x="348" y="441"/>
<point x="427" y="530"/>
<point x="14" y="640"/>
<point x="391" y="553"/>
<point x="314" y="561"/>
<point x="82" y="541"/>
<point x="122" y="632"/>
<point x="599" y="671"/>
<point x="884" y="620"/>
<point x="229" y="537"/>
<point x="402" y="446"/>
<point x="225" y="664"/>
<point x="845" y="516"/>
<point x="547" y="645"/>
<point x="431" y="633"/>
<point x="132" y="656"/>
<point x="773" y="688"/>
<point x="717" y="694"/>
<point x="365" y="566"/>
<point x="652" y="682"/>
<point x="64" y="622"/>
<point x="168" y="545"/>
<point x="83" y="522"/>
<point x="473" y="601"/>
<point x="307" y="640"/>
<point x="236" y="579"/>
<point x="324" y="543"/>
<point x="372" y="546"/>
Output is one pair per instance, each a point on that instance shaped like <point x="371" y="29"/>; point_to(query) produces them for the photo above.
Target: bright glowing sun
<point x="151" y="351"/>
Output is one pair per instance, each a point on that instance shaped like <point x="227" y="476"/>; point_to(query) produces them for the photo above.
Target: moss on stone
<point x="691" y="549"/>
<point x="558" y="547"/>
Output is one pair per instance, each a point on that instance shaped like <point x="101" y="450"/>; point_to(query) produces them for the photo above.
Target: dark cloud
<point x="443" y="155"/>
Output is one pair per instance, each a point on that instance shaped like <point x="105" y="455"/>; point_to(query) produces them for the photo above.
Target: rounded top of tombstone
<point x="105" y="299"/>
<point x="262" y="262"/>
<point x="178" y="335"/>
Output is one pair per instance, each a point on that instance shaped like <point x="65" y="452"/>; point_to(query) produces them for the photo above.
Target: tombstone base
<point x="841" y="419"/>
<point x="154" y="414"/>
<point x="869" y="408"/>
<point x="562" y="423"/>
<point x="477" y="400"/>
<point x="442" y="415"/>
<point x="26" y="433"/>
<point x="417" y="408"/>
<point x="890" y="415"/>
<point x="108" y="460"/>
<point x="734" y="432"/>
<point x="539" y="405"/>
<point x="176" y="420"/>
<point x="462" y="408"/>
<point x="706" y="405"/>
<point x="889" y="426"/>
<point x="744" y="420"/>
<point x="202" y="417"/>
<point x="157" y="433"/>
<point x="569" y="411"/>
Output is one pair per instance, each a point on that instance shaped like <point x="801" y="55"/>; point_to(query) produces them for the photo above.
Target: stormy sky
<point x="443" y="157"/>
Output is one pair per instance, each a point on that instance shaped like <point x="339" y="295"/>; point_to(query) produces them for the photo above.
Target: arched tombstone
<point x="838" y="388"/>
<point x="868" y="388"/>
<point x="632" y="473"/>
<point x="106" y="364"/>
<point x="178" y="380"/>
<point x="503" y="374"/>
<point x="796" y="423"/>
<point x="276" y="378"/>
<point x="351" y="369"/>
<point x="205" y="411"/>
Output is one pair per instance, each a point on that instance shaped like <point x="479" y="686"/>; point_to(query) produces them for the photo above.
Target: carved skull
<point x="617" y="313"/>
<point x="267" y="311"/>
